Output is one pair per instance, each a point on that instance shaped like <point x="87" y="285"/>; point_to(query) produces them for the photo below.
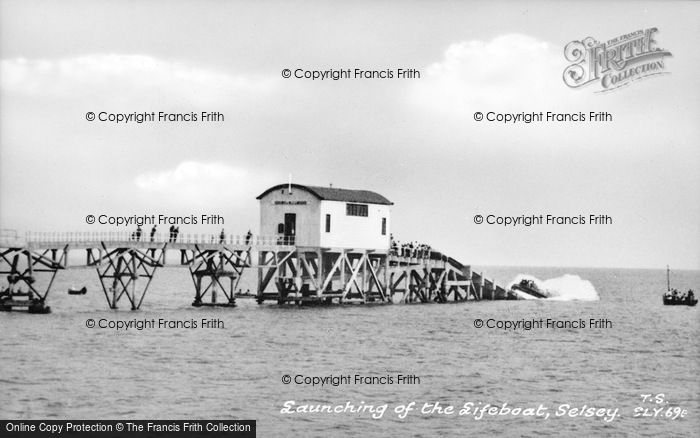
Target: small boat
<point x="680" y="301"/>
<point x="673" y="297"/>
<point x="529" y="287"/>
<point x="74" y="291"/>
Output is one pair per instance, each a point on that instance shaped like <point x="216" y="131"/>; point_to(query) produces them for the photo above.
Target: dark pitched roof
<point x="333" y="194"/>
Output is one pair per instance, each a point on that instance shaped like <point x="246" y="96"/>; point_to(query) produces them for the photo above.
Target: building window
<point x="280" y="228"/>
<point x="357" y="210"/>
<point x="328" y="223"/>
<point x="383" y="226"/>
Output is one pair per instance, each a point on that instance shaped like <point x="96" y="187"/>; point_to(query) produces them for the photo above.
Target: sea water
<point x="55" y="367"/>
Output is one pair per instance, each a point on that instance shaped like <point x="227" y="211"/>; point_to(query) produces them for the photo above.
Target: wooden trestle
<point x="285" y="274"/>
<point x="29" y="269"/>
<point x="318" y="275"/>
<point x="120" y="268"/>
<point x="211" y="267"/>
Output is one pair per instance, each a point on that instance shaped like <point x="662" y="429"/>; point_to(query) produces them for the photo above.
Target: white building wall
<point x="354" y="231"/>
<point x="306" y="206"/>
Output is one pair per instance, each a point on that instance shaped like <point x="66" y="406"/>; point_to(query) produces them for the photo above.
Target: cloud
<point x="127" y="79"/>
<point x="193" y="183"/>
<point x="511" y="70"/>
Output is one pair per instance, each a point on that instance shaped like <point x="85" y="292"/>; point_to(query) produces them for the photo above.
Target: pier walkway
<point x="286" y="273"/>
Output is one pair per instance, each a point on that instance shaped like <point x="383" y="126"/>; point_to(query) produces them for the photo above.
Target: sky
<point x="415" y="141"/>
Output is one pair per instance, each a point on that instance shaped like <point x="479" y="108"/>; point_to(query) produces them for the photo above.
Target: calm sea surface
<point x="54" y="367"/>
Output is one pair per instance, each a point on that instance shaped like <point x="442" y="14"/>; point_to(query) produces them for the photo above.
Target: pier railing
<point x="12" y="238"/>
<point x="15" y="239"/>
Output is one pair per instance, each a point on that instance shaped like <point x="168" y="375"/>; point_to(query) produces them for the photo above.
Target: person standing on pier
<point x="176" y="231"/>
<point x="138" y="233"/>
<point x="222" y="237"/>
<point x="172" y="233"/>
<point x="248" y="236"/>
<point x="153" y="233"/>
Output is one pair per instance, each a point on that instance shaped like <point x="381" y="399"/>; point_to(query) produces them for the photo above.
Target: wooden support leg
<point x="124" y="266"/>
<point x="24" y="270"/>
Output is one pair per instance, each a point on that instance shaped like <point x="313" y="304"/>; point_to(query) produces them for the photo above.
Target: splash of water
<point x="568" y="287"/>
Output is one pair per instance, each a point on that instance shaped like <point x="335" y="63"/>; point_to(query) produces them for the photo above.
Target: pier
<point x="317" y="245"/>
<point x="286" y="273"/>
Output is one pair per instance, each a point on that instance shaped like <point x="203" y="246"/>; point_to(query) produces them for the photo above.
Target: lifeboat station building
<point x="301" y="215"/>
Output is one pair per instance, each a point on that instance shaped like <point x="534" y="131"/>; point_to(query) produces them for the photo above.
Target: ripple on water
<point x="236" y="372"/>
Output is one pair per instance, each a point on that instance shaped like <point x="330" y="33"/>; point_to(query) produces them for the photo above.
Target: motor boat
<point x="529" y="287"/>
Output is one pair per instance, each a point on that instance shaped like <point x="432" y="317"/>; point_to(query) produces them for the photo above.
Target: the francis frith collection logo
<point x="616" y="62"/>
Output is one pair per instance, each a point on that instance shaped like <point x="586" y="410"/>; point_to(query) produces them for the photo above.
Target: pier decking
<point x="285" y="273"/>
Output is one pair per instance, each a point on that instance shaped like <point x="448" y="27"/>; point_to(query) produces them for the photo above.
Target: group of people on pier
<point x="222" y="237"/>
<point x="175" y="231"/>
<point x="409" y="249"/>
<point x="136" y="235"/>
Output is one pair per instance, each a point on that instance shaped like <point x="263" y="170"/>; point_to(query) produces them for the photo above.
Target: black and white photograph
<point x="354" y="218"/>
